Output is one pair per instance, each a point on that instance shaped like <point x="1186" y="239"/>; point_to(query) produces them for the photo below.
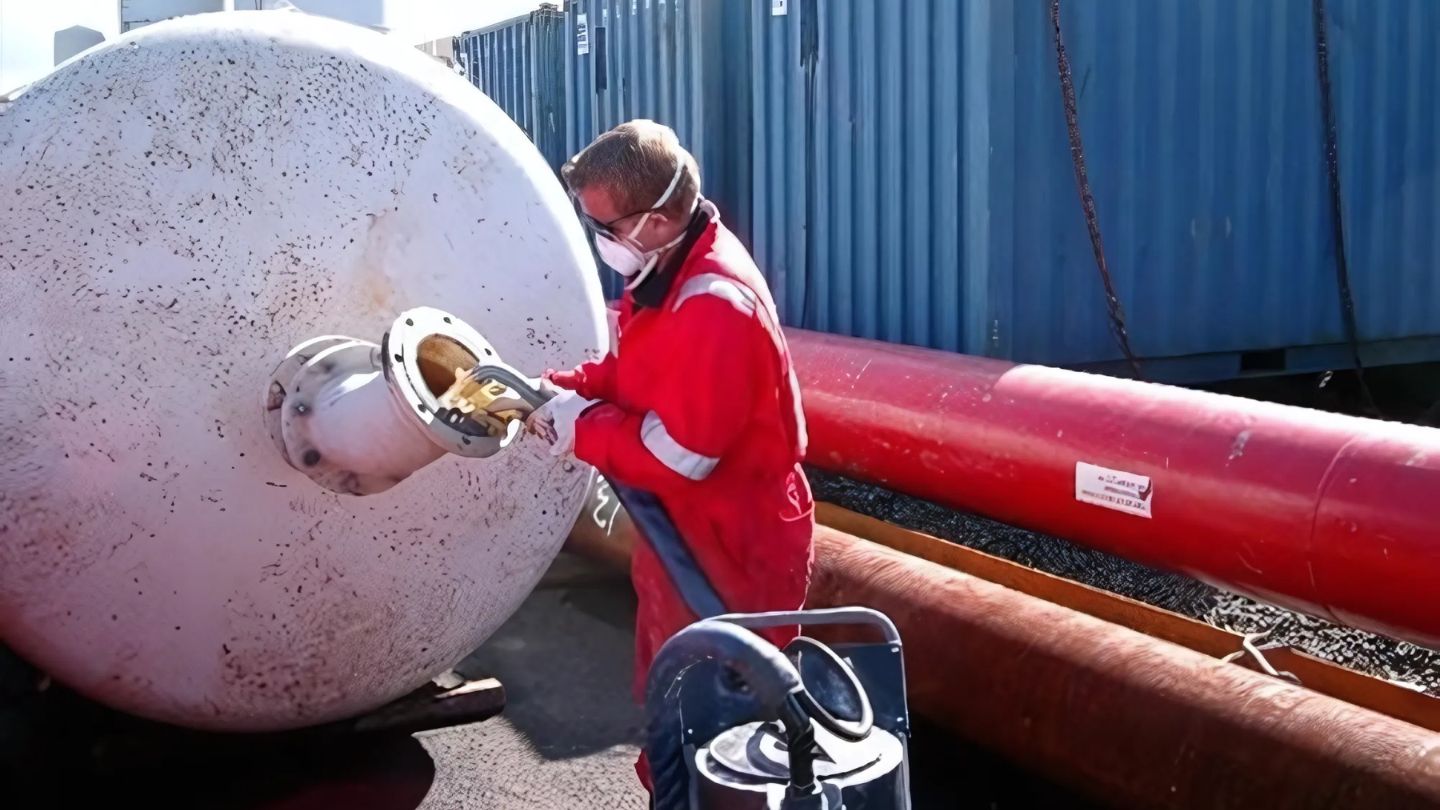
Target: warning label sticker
<point x="1113" y="489"/>
<point x="582" y="34"/>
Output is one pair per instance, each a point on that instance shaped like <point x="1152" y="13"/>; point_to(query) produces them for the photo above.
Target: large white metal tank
<point x="177" y="210"/>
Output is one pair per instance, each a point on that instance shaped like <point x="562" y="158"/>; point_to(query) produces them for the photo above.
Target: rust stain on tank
<point x="167" y="247"/>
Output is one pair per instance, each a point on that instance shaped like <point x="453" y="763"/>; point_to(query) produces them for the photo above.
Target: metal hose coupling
<point x="358" y="417"/>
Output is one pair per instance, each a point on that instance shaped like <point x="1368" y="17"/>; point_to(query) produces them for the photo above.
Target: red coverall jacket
<point x="700" y="408"/>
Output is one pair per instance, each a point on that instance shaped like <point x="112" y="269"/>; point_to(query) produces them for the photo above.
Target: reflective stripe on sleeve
<point x="671" y="453"/>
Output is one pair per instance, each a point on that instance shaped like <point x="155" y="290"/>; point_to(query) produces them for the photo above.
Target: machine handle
<point x="532" y="393"/>
<point x="826" y="616"/>
<point x="852" y="730"/>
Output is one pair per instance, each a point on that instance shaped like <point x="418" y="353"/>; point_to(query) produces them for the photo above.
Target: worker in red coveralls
<point x="697" y="403"/>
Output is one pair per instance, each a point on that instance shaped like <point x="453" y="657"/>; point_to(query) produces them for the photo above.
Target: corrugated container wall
<point x="680" y="62"/>
<point x="520" y="64"/>
<point x="902" y="170"/>
<point x="140" y="13"/>
<point x="913" y="177"/>
<point x="857" y="166"/>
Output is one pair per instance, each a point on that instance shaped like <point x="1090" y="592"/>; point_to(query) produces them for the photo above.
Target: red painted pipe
<point x="1331" y="515"/>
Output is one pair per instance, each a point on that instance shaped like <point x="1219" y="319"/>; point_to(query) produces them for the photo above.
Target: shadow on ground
<point x="78" y="754"/>
<point x="568" y="738"/>
<point x="566" y="659"/>
<point x="570" y="733"/>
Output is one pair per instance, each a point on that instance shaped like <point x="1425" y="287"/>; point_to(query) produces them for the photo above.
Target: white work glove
<point x="555" y="421"/>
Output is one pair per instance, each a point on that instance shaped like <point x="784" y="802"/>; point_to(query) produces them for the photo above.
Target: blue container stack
<point x="902" y="170"/>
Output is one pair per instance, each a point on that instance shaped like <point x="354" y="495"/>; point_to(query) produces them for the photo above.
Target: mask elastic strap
<point x="653" y="258"/>
<point x="651" y="262"/>
<point x="674" y="182"/>
<point x="664" y="198"/>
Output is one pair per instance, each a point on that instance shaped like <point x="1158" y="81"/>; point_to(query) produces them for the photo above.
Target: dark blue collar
<point x="653" y="291"/>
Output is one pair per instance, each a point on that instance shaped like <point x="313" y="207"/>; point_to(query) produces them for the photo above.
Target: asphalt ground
<point x="567" y="738"/>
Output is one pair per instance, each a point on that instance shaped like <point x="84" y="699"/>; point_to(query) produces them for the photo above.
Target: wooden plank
<point x="434" y="706"/>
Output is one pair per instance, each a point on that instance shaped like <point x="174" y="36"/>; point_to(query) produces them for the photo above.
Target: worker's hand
<point x="568" y="380"/>
<point x="555" y="421"/>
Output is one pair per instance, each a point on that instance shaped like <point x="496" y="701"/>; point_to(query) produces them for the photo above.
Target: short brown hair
<point x="635" y="162"/>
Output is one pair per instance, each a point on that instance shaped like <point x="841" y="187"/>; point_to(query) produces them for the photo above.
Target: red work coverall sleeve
<point x="680" y="442"/>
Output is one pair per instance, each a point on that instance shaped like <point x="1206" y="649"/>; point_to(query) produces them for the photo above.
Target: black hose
<point x="800" y="743"/>
<point x="1087" y="199"/>
<point x="809" y="61"/>
<point x="768" y="675"/>
<point x="1337" y="218"/>
<point x="659" y="531"/>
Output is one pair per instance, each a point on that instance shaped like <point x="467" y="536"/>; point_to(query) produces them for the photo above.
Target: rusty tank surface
<point x="221" y="504"/>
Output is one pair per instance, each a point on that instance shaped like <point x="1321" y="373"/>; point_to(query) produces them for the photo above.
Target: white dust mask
<point x="622" y="253"/>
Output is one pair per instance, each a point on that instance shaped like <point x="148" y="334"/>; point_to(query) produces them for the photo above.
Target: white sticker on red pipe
<point x="1114" y="489"/>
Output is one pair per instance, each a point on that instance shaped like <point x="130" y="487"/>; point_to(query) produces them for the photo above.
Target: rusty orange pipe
<point x="1348" y="685"/>
<point x="1110" y="712"/>
<point x="1115" y="714"/>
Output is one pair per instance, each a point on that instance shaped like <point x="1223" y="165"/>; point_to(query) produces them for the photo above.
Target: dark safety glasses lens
<point x="591" y="223"/>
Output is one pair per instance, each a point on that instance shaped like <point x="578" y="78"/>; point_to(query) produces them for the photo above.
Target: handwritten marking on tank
<point x="604" y="518"/>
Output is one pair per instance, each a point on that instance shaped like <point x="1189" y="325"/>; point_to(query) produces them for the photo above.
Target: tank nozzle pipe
<point x="359" y="417"/>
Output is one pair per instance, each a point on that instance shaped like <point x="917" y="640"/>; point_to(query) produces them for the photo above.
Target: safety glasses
<point x="607" y="228"/>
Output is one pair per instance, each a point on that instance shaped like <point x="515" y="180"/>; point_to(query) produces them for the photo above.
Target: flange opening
<point x="438" y="356"/>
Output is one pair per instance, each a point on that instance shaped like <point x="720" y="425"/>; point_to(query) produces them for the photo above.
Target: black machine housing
<point x="737" y="761"/>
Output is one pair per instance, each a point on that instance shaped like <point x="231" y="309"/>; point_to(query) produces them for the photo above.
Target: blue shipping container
<point x="682" y="63"/>
<point x="913" y="179"/>
<point x="903" y="172"/>
<point x="520" y="64"/>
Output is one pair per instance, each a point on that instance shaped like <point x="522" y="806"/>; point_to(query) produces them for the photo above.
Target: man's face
<point x="598" y="205"/>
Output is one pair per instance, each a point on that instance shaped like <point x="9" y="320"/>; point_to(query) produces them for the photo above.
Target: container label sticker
<point x="1113" y="489"/>
<point x="582" y="34"/>
<point x="779" y="8"/>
